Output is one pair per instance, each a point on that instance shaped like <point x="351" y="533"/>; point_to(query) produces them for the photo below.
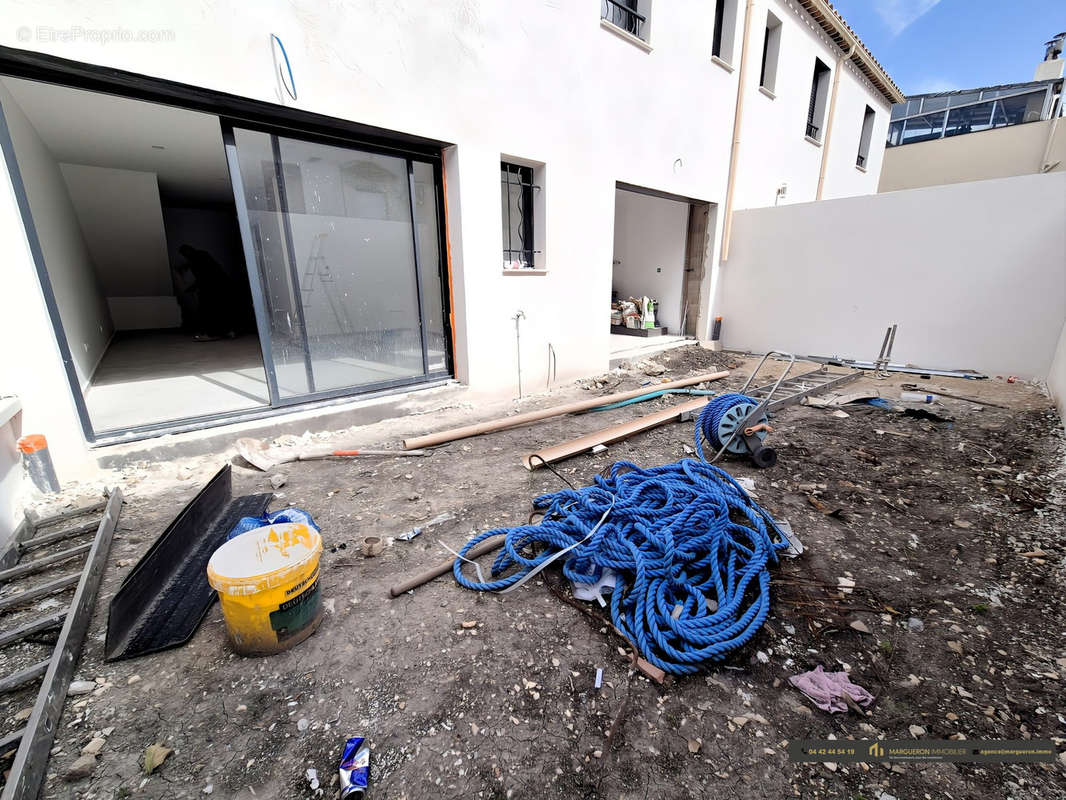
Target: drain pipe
<point x="832" y="112"/>
<point x="738" y="115"/>
<point x="518" y="347"/>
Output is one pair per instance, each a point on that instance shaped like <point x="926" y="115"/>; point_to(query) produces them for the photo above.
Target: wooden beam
<point x="615" y="433"/>
<point x="545" y="413"/>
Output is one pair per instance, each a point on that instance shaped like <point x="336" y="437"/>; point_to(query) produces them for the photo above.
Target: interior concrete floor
<point x="147" y="377"/>
<point x="623" y="346"/>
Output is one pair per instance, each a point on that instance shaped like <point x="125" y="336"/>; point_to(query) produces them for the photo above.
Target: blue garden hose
<point x="689" y="547"/>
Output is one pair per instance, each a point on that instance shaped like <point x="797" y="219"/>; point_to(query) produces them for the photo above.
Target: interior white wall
<point x="972" y="273"/>
<point x="86" y="318"/>
<point x="649" y="252"/>
<point x="122" y="221"/>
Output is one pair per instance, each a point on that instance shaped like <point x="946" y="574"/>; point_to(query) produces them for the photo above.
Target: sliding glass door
<point x="344" y="247"/>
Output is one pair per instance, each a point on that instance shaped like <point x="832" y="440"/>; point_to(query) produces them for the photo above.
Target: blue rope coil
<point x="689" y="547"/>
<point x="710" y="419"/>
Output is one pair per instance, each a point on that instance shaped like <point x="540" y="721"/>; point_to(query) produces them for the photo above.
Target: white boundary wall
<point x="974" y="274"/>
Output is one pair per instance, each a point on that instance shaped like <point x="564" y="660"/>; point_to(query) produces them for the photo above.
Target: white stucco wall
<point x="974" y="274"/>
<point x="774" y="148"/>
<point x="539" y="81"/>
<point x="649" y="252"/>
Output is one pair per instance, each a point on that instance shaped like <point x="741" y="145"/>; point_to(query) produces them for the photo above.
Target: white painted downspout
<point x="832" y="112"/>
<point x="734" y="152"/>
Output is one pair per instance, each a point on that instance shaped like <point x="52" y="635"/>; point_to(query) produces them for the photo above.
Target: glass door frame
<point x="255" y="272"/>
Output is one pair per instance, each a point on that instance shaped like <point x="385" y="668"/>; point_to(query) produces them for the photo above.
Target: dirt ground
<point x="950" y="530"/>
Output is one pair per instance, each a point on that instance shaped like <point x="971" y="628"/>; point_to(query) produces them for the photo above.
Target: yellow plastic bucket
<point x="267" y="582"/>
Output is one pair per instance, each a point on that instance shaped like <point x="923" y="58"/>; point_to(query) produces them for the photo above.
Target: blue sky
<point x="936" y="45"/>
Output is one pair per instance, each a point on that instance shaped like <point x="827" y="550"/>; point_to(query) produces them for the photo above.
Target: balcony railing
<point x="621" y="15"/>
<point x="812" y="130"/>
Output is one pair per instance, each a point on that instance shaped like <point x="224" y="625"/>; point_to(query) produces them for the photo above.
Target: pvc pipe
<point x="831" y="116"/>
<point x="467" y="431"/>
<point x="738" y="116"/>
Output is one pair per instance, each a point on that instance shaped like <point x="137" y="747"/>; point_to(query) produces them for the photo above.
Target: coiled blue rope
<point x="689" y="548"/>
<point x="711" y="418"/>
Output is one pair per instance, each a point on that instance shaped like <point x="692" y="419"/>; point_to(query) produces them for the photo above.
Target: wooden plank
<point x="17" y="679"/>
<point x="545" y="413"/>
<point x="45" y="589"/>
<point x="58" y="536"/>
<point x="30" y="567"/>
<point x="615" y="433"/>
<point x="30" y="628"/>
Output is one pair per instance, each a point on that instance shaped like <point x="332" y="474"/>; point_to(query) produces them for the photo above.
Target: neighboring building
<point x="348" y="172"/>
<point x="976" y="134"/>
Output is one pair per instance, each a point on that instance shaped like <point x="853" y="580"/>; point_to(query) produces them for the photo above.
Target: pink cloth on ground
<point x="827" y="689"/>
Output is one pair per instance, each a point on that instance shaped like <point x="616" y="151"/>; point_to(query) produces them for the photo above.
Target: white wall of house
<point x="11" y="471"/>
<point x="649" y="252"/>
<point x="774" y="148"/>
<point x="122" y="223"/>
<point x="77" y="291"/>
<point x="537" y="81"/>
<point x="974" y="274"/>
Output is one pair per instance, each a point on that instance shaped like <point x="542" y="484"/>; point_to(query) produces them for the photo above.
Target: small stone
<point x="831" y="766"/>
<point x="23" y="715"/>
<point x="762" y="657"/>
<point x="94" y="747"/>
<point x="694" y="745"/>
<point x="302" y="724"/>
<point x="860" y="626"/>
<point x="597" y="753"/>
<point x="277" y="480"/>
<point x="961" y="523"/>
<point x="955" y="647"/>
<point x="916" y="731"/>
<point x="469" y="623"/>
<point x="209" y="788"/>
<point x="80" y="687"/>
<point x="915" y="625"/>
<point x="241" y="707"/>
<point x="82" y="768"/>
<point x="951" y="716"/>
<point x="132" y="679"/>
<point x="107" y="731"/>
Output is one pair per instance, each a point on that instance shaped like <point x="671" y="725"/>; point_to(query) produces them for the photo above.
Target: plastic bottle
<point x="917" y="397"/>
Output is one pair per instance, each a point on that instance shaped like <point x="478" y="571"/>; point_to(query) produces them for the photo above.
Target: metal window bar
<point x="812" y="130"/>
<point x="624" y="15"/>
<point x="522" y="250"/>
<point x="860" y="160"/>
<point x="819" y="70"/>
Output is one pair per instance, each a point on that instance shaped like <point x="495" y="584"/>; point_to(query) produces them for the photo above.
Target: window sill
<point x="625" y="35"/>
<point x="722" y="63"/>
<point x="767" y="92"/>
<point x="813" y="141"/>
<point x="860" y="169"/>
<point x="525" y="272"/>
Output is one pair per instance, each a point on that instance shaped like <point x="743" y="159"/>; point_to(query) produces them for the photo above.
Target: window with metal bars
<point x="625" y="14"/>
<point x="516" y="194"/>
<point x="819" y="90"/>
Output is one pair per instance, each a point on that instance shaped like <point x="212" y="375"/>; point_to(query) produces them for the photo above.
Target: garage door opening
<point x="660" y="246"/>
